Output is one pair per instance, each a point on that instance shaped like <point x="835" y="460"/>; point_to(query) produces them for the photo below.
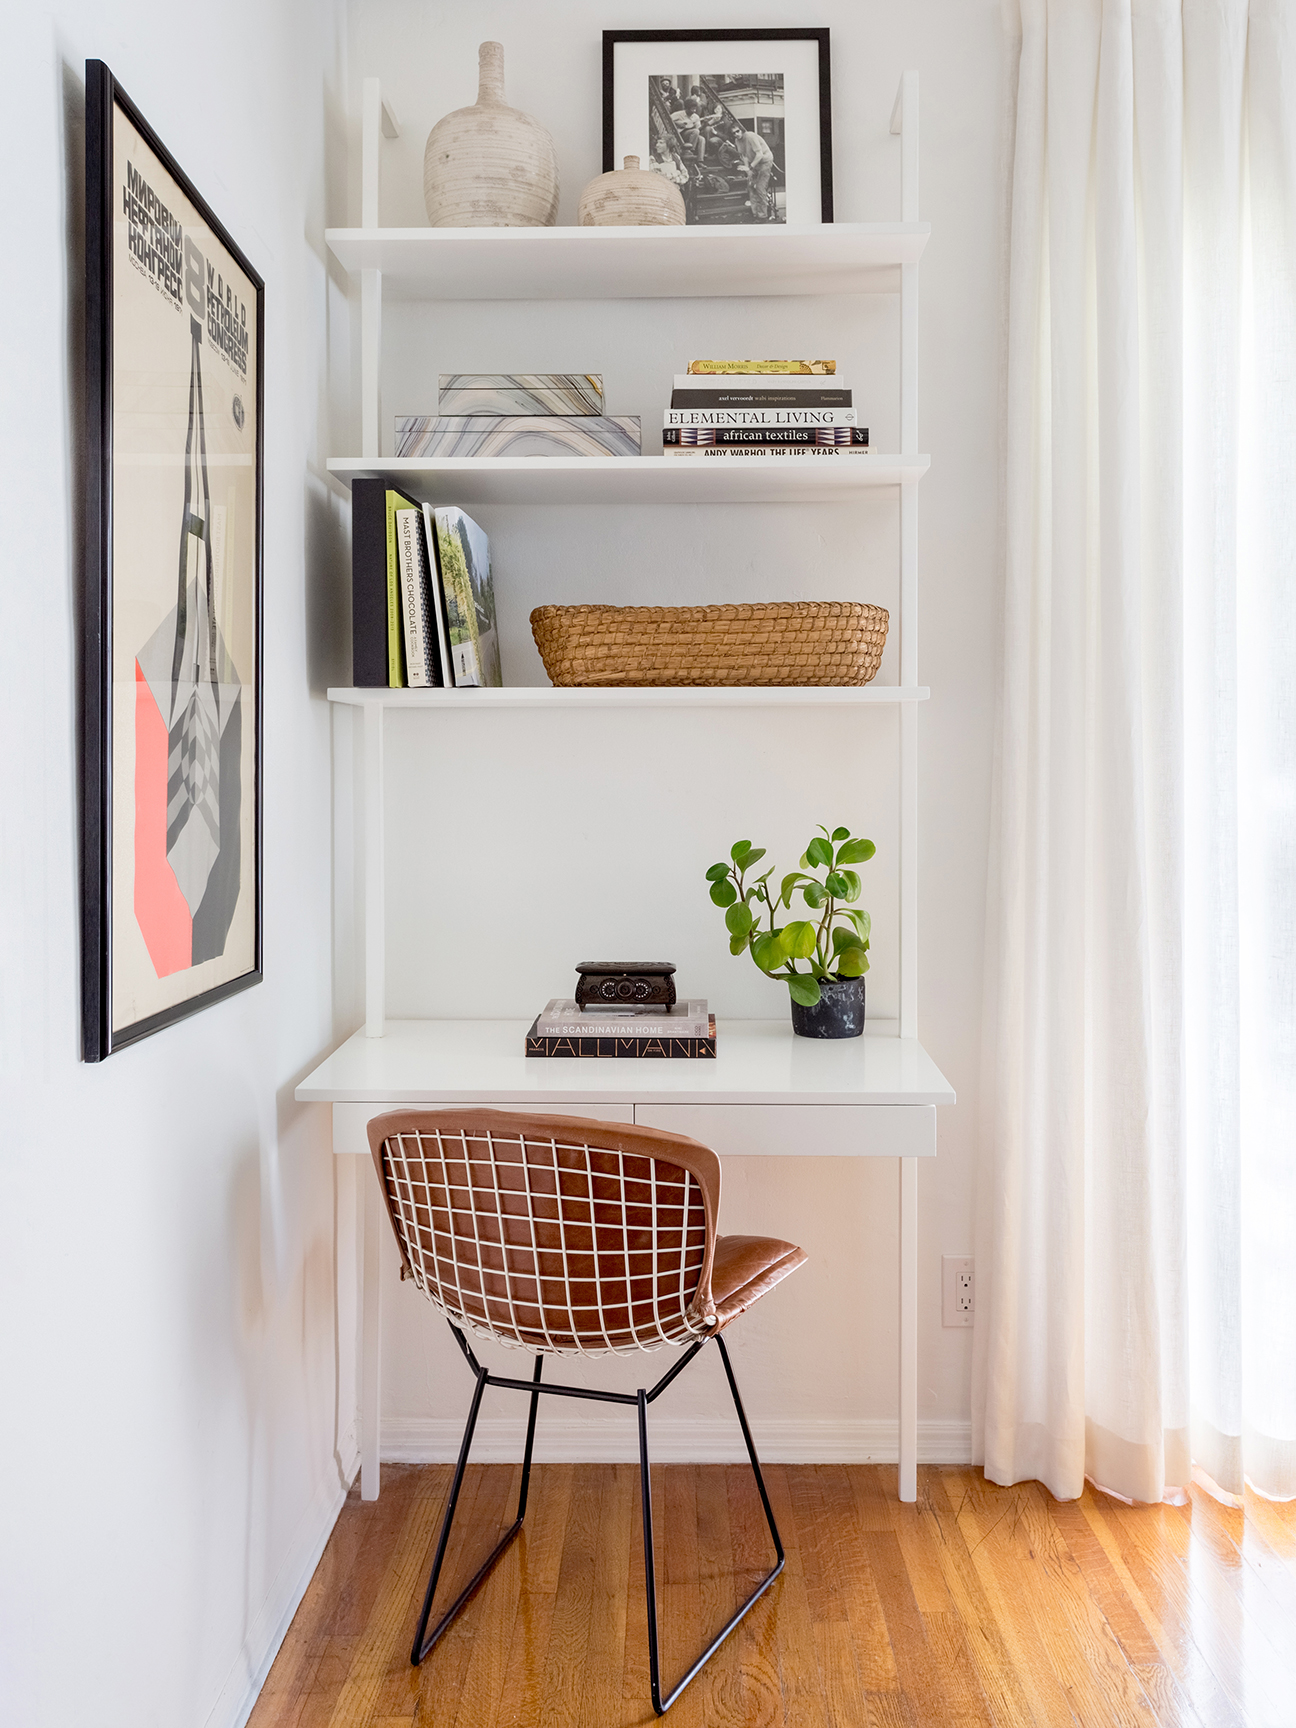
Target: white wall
<point x="521" y="844"/>
<point x="175" y="1431"/>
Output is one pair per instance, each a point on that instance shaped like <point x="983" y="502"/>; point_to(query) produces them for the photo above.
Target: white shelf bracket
<point x="904" y="122"/>
<point x="377" y="118"/>
<point x="372" y="818"/>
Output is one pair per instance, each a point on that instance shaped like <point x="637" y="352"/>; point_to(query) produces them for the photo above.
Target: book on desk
<point x="685" y="1031"/>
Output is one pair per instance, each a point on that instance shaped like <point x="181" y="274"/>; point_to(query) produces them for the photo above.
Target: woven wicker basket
<point x="790" y="642"/>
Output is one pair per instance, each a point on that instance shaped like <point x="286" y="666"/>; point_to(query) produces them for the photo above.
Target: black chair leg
<point x="662" y="1705"/>
<point x="424" y="1640"/>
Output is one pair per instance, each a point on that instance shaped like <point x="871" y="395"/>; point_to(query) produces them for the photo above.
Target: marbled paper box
<point x="517" y="435"/>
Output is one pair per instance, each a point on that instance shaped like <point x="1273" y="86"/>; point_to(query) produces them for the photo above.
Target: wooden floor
<point x="978" y="1605"/>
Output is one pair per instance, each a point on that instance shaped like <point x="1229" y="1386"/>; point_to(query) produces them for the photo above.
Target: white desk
<point x="766" y="1094"/>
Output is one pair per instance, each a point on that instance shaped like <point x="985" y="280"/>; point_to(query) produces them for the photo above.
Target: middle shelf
<point x="468" y="480"/>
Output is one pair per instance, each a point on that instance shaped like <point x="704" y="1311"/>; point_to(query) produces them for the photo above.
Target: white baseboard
<point x="270" y="1628"/>
<point x="604" y="1440"/>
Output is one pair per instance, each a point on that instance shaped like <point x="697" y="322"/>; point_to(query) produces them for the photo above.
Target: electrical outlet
<point x="958" y="1290"/>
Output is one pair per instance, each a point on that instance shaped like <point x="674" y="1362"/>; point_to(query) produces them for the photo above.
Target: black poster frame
<point x="103" y="95"/>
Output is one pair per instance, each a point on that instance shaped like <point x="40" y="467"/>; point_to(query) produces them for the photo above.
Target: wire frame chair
<point x="566" y="1236"/>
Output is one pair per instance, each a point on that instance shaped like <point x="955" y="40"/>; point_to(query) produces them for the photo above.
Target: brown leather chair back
<point x="555" y="1233"/>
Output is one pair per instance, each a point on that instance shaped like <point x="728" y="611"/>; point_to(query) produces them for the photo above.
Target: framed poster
<point x="739" y="120"/>
<point x="171" y="759"/>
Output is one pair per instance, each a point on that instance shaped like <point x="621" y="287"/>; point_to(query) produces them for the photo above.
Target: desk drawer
<point x="351" y="1121"/>
<point x="801" y="1130"/>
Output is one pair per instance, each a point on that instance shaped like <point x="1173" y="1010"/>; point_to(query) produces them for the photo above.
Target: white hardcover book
<point x="413" y="592"/>
<point x="437" y="598"/>
<point x="563" y="1019"/>
<point x="772" y="417"/>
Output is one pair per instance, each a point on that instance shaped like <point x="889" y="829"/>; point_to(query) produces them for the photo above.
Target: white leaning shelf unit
<point x="873" y="1098"/>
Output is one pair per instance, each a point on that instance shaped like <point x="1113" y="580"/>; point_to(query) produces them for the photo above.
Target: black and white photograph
<point x="719" y="137"/>
<point x="747" y="146"/>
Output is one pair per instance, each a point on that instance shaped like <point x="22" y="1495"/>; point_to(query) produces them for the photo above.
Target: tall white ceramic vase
<point x="490" y="166"/>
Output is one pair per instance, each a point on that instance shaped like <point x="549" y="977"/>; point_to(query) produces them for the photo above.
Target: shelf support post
<point x="908" y="1473"/>
<point x="375" y="913"/>
<point x="904" y="120"/>
<point x="373" y="115"/>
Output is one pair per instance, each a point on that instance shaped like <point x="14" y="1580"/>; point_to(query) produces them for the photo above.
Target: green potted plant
<point x="821" y="959"/>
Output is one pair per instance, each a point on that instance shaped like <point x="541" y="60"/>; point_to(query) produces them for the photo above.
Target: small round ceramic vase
<point x="490" y="166"/>
<point x="631" y="197"/>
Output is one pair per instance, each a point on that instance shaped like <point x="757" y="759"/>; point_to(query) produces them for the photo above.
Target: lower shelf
<point x="681" y="696"/>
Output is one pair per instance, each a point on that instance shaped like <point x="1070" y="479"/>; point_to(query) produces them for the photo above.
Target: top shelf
<point x="632" y="263"/>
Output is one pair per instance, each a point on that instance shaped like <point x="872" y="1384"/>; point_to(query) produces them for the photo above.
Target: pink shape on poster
<point x="160" y="907"/>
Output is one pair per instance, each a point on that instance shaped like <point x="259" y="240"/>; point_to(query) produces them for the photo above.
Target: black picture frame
<point x="612" y="39"/>
<point x="105" y="100"/>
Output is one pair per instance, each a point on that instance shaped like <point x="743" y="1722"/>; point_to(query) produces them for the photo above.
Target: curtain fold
<point x="1138" y="1180"/>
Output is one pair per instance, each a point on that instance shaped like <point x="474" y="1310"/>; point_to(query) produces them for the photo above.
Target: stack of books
<point x="685" y="1030"/>
<point x="518" y="414"/>
<point x="422" y="595"/>
<point x="753" y="409"/>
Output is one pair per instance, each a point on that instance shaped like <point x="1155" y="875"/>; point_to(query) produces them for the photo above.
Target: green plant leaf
<point x="798" y="940"/>
<point x="739" y="919"/>
<point x="843" y="939"/>
<point x="853" y="884"/>
<point x="840" y="834"/>
<point x="723" y="893"/>
<point x="852" y="963"/>
<point x="768" y="951"/>
<point x="815" y="894"/>
<point x="863" y="923"/>
<point x="737" y="944"/>
<point x="717" y="873"/>
<point x="740" y="849"/>
<point x="820" y="854"/>
<point x="856" y="852"/>
<point x="804" y="991"/>
<point x="752" y="856"/>
<point x="788" y="887"/>
<point x="836" y="884"/>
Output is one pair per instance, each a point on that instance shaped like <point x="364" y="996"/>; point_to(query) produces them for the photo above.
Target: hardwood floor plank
<point x="742" y="1682"/>
<point x="562" y="1681"/>
<point x="475" y="1531"/>
<point x="1210" y="1611"/>
<point x="1161" y="1615"/>
<point x="983" y="1639"/>
<point x="920" y="1679"/>
<point x="1085" y="1651"/>
<point x="1011" y="1592"/>
<point x="1169" y="1700"/>
<point x="976" y="1607"/>
<point x="618" y="1485"/>
<point x="494" y="1613"/>
<point x="874" y="1499"/>
<point x="947" y="1640"/>
<point x="390" y="1621"/>
<point x="1264" y="1584"/>
<point x="794" y="1644"/>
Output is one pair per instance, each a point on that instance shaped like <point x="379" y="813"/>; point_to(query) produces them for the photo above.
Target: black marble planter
<point x="839" y="1012"/>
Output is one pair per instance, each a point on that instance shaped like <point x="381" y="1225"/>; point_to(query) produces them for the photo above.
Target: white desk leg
<point x="370" y="1331"/>
<point x="908" y="1328"/>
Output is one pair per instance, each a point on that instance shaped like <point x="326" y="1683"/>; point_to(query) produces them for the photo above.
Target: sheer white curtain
<point x="1137" y="1200"/>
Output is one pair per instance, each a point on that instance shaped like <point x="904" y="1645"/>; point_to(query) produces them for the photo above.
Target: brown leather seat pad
<point x="746" y="1268"/>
